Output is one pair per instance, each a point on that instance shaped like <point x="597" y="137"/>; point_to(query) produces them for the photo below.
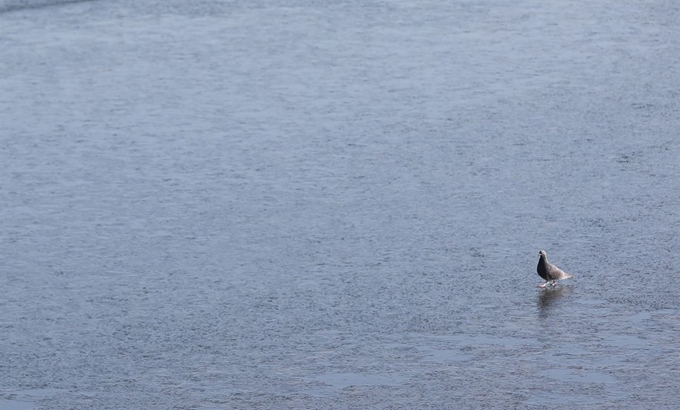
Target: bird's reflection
<point x="547" y="297"/>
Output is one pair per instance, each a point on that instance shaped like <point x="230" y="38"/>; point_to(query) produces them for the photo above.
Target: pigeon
<point x="548" y="271"/>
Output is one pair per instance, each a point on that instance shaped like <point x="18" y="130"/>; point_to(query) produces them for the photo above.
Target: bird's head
<point x="542" y="253"/>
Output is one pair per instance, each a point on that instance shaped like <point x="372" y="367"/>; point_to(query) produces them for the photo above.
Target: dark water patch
<point x="579" y="376"/>
<point x="492" y="340"/>
<point x="10" y="6"/>
<point x="342" y="380"/>
<point x="26" y="399"/>
<point x="539" y="399"/>
<point x="447" y="356"/>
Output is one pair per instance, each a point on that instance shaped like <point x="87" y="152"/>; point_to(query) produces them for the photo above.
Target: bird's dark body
<point x="542" y="268"/>
<point x="548" y="271"/>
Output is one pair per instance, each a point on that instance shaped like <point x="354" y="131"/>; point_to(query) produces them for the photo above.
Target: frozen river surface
<point x="318" y="204"/>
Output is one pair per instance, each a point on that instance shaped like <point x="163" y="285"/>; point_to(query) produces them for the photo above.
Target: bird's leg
<point x="544" y="285"/>
<point x="554" y="283"/>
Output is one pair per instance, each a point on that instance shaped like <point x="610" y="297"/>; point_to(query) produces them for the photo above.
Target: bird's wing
<point x="556" y="273"/>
